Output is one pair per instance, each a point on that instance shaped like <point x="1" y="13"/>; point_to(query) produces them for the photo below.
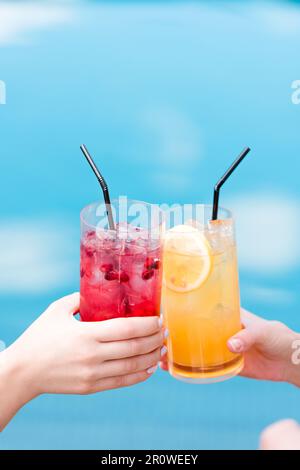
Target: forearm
<point x="15" y="391"/>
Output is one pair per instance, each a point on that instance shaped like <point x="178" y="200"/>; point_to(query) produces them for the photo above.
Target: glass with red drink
<point x="120" y="270"/>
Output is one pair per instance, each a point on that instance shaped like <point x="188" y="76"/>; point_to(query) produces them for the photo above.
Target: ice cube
<point x="122" y="229"/>
<point x="96" y="277"/>
<point x="194" y="223"/>
<point x="220" y="315"/>
<point x="220" y="234"/>
<point x="110" y="295"/>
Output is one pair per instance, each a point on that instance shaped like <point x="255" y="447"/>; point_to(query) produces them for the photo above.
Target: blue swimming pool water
<point x="165" y="94"/>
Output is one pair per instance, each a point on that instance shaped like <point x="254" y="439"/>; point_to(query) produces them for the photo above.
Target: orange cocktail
<point x="201" y="301"/>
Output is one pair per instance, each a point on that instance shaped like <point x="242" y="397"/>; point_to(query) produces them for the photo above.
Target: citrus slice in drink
<point x="187" y="258"/>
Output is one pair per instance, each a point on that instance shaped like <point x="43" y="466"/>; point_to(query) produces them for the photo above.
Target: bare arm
<point x="58" y="354"/>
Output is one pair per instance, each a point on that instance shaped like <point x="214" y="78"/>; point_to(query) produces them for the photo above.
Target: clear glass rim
<point x="209" y="207"/>
<point x="115" y="201"/>
<point x="225" y="215"/>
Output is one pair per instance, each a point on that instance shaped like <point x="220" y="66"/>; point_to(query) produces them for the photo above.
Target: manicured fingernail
<point x="236" y="345"/>
<point x="166" y="333"/>
<point x="152" y="370"/>
<point x="163" y="351"/>
<point x="160" y="322"/>
<point x="163" y="365"/>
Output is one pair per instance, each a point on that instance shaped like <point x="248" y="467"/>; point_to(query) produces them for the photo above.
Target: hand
<point x="267" y="348"/>
<point x="58" y="354"/>
<point x="284" y="435"/>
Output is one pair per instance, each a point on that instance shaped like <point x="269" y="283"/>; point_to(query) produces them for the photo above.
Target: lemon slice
<point x="187" y="258"/>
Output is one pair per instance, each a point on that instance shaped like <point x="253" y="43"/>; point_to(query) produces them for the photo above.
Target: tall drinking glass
<point x="120" y="271"/>
<point x="201" y="300"/>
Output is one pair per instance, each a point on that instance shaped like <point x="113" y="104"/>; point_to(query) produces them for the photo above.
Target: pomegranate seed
<point x="111" y="276"/>
<point x="90" y="234"/>
<point x="148" y="263"/>
<point x="147" y="274"/>
<point x="156" y="264"/>
<point x="127" y="308"/>
<point x="124" y="277"/>
<point x="105" y="268"/>
<point x="89" y="252"/>
<point x="151" y="263"/>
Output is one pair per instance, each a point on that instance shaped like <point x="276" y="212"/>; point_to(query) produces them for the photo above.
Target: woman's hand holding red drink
<point x="58" y="354"/>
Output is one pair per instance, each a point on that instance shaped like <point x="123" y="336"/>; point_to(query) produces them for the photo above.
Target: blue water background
<point x="114" y="76"/>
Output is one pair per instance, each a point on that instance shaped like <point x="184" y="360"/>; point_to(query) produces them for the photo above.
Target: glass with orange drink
<point x="201" y="300"/>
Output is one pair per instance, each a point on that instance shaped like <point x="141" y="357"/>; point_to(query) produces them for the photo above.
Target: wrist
<point x="15" y="385"/>
<point x="293" y="368"/>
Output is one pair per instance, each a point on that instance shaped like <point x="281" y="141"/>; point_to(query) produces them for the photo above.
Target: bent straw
<point x="224" y="178"/>
<point x="102" y="184"/>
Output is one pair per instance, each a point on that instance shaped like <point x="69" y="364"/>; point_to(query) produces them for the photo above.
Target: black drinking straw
<point x="224" y="178"/>
<point x="102" y="184"/>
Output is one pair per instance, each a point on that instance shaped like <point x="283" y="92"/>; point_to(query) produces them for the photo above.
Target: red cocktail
<point x="120" y="271"/>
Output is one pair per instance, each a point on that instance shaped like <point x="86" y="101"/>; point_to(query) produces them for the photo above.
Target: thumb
<point x="244" y="340"/>
<point x="68" y="305"/>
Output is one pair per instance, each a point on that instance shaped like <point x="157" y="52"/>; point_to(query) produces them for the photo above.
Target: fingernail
<point x="236" y="345"/>
<point x="166" y="333"/>
<point x="152" y="370"/>
<point x="163" y="351"/>
<point x="160" y="322"/>
<point x="163" y="365"/>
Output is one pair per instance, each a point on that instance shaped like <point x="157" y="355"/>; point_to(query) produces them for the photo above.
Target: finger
<point x="132" y="347"/>
<point x="246" y="338"/>
<point x="248" y="317"/>
<point x="163" y="364"/>
<point x="242" y="341"/>
<point x="119" y="329"/>
<point x="284" y="435"/>
<point x="66" y="305"/>
<point x="129" y="365"/>
<point x="121" y="381"/>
